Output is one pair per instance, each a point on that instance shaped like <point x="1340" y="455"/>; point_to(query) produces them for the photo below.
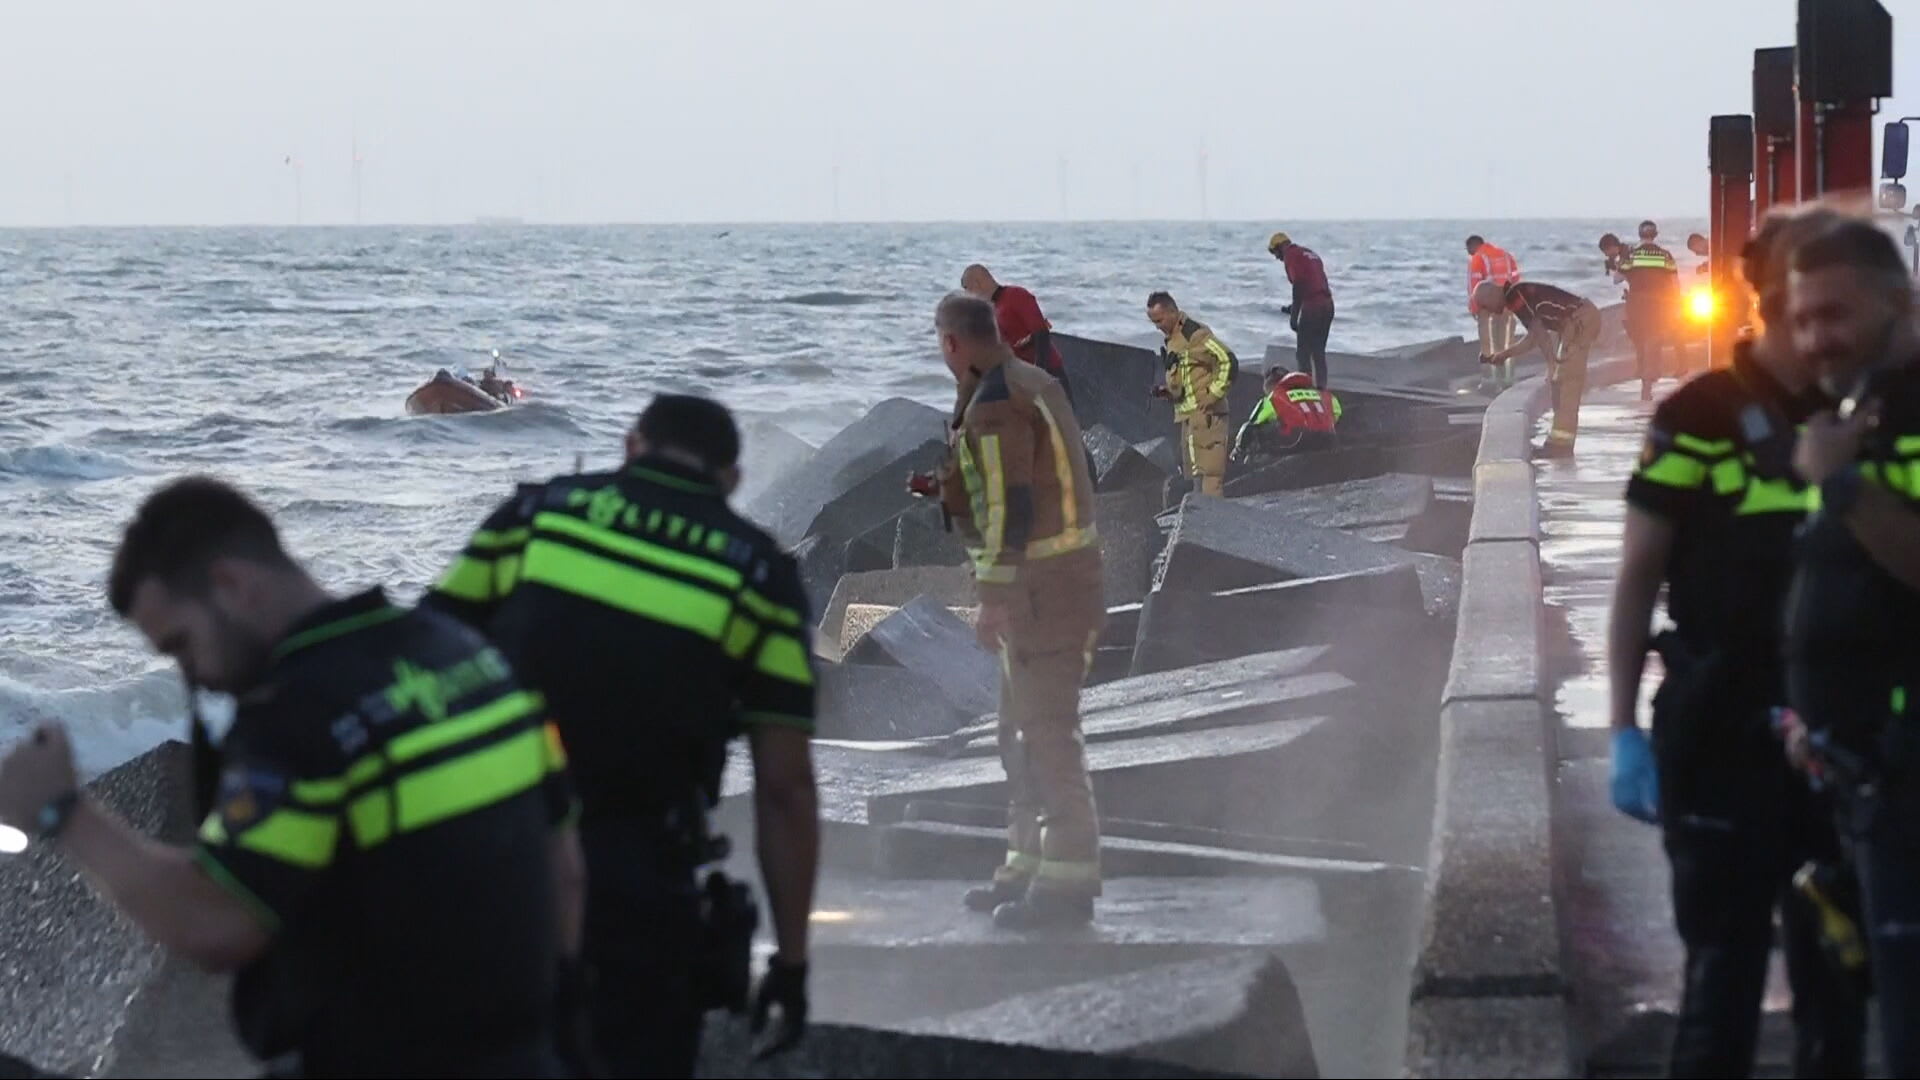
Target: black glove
<point x="573" y="1019"/>
<point x="1286" y="309"/>
<point x="784" y="985"/>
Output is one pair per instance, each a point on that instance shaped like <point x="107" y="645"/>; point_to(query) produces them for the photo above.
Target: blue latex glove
<point x="1635" y="782"/>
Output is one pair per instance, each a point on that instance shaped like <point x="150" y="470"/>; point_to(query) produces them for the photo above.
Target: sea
<point x="280" y="358"/>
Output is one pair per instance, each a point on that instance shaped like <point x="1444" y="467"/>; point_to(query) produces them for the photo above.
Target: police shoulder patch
<point x="248" y="794"/>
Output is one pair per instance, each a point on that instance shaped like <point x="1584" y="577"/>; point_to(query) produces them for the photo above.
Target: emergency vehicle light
<point x="1702" y="304"/>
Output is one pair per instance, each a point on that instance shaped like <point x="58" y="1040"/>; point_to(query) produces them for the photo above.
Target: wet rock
<point x="1219" y="545"/>
<point x="921" y="538"/>
<point x="1129" y="542"/>
<point x="873" y="549"/>
<point x="951" y="585"/>
<point x="768" y="455"/>
<point x="823" y="562"/>
<point x="889" y="431"/>
<point x="1238" y="1013"/>
<point x="878" y="497"/>
<point x="1181" y="627"/>
<point x="925" y="638"/>
<point x="1163" y="453"/>
<point x="881" y="702"/>
<point x="860" y="1053"/>
<point x="1120" y="467"/>
<point x="1112" y="386"/>
<point x="1379" y="500"/>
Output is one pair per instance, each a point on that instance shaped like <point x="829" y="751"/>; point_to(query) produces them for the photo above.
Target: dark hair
<point x="1474" y="242"/>
<point x="1851" y="243"/>
<point x="181" y="529"/>
<point x="1608" y="238"/>
<point x="1766" y="258"/>
<point x="694" y="425"/>
<point x="1275" y="373"/>
<point x="1645" y="225"/>
<point x="1161" y="298"/>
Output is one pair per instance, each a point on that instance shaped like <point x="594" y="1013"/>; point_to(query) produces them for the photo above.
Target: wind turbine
<point x="358" y="161"/>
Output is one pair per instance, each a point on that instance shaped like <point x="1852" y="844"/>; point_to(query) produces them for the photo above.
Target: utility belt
<point x="1709" y="710"/>
<point x="678" y="841"/>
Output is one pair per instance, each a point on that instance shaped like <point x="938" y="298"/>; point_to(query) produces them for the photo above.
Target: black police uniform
<point x="386" y="803"/>
<point x="1653" y="305"/>
<point x="1853" y="645"/>
<point x="1737" y="821"/>
<point x="658" y="623"/>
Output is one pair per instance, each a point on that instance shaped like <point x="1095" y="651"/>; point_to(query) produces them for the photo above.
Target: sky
<point x="187" y="112"/>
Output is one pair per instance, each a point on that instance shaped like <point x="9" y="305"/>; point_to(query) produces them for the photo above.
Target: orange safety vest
<point x="1489" y="264"/>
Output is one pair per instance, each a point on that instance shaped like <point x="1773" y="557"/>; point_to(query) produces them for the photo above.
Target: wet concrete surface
<point x="1622" y="954"/>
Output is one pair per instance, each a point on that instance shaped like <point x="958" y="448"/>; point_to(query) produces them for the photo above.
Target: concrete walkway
<point x="1621" y="955"/>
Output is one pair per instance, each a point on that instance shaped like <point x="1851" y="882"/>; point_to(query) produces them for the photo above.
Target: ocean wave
<point x="107" y="723"/>
<point x="64" y="464"/>
<point x="831" y="298"/>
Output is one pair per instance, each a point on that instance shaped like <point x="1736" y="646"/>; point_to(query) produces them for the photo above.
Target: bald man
<point x="1025" y="330"/>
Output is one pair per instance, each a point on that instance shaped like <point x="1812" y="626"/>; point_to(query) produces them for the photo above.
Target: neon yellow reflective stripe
<point x="1023" y="862"/>
<point x="782" y="657"/>
<point x="992" y="573"/>
<point x="1264" y="413"/>
<point x="1222" y="368"/>
<point x="1303" y="395"/>
<point x="1774" y="497"/>
<point x="336" y="628"/>
<point x="628" y="588"/>
<point x="767" y="609"/>
<point x="1907" y="445"/>
<point x="318" y="792"/>
<point x="1062" y="468"/>
<point x="1729" y="476"/>
<point x="1901" y="478"/>
<point x="468" y="579"/>
<point x="632" y="548"/>
<point x="1711" y="448"/>
<point x="970" y="476"/>
<point x="293" y="836"/>
<point x="1676" y="470"/>
<point x="467" y="725"/>
<point x="1060" y="870"/>
<point x="371" y="818"/>
<point x="506" y="574"/>
<point x="1068" y="540"/>
<point x="508" y="538"/>
<point x="471" y="781"/>
<point x="1899" y="702"/>
<point x="993" y="533"/>
<point x="741" y="632"/>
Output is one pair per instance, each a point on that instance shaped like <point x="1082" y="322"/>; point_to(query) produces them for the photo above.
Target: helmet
<point x="1277" y="241"/>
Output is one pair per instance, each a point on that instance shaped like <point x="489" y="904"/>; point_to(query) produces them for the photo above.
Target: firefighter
<point x="1712" y="510"/>
<point x="1563" y="327"/>
<point x="1019" y="490"/>
<point x="1486" y="262"/>
<point x="1853" y="612"/>
<point x="1200" y="372"/>
<point x="1653" y="305"/>
<point x="1023" y="326"/>
<point x="1294" y="415"/>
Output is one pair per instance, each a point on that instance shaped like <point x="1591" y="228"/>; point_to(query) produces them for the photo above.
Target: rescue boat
<point x="448" y="393"/>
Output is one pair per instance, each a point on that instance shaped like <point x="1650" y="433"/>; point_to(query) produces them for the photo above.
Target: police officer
<point x="1653" y="304"/>
<point x="1200" y="372"/>
<point x="659" y="624"/>
<point x="1712" y="509"/>
<point x="1853" y="624"/>
<point x="389" y="864"/>
<point x="1020" y="491"/>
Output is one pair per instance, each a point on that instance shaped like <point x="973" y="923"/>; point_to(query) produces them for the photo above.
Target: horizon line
<point x="508" y="221"/>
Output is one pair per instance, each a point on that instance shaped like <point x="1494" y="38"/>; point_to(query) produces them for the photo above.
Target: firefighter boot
<point x="1045" y="910"/>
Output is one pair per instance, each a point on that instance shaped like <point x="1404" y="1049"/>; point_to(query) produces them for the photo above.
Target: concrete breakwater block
<point x="1208" y="777"/>
<point x="1218" y="544"/>
<point x="994" y="819"/>
<point x="951" y="585"/>
<point x="1163" y="452"/>
<point x="1245" y="671"/>
<point x="921" y="538"/>
<point x="1179" y="627"/>
<point x="1118" y="466"/>
<point x="1377" y="500"/>
<point x="889" y="431"/>
<point x="877" y="497"/>
<point x="1129" y="542"/>
<point x="1238" y="1013"/>
<point x="1314" y="693"/>
<point x="823" y="564"/>
<point x="1113" y="384"/>
<point x="857" y="1052"/>
<point x="926" y="639"/>
<point x="768" y="453"/>
<point x="882" y="702"/>
<point x="71" y="963"/>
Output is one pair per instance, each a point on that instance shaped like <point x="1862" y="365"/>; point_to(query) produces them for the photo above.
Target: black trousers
<point x="1310" y="341"/>
<point x="1886" y="854"/>
<point x="642" y="933"/>
<point x="1728" y="880"/>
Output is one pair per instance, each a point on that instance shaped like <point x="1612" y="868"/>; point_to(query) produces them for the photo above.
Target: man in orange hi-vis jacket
<point x="1488" y="262"/>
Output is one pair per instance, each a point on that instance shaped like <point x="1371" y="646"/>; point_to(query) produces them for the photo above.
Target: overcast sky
<point x="716" y="110"/>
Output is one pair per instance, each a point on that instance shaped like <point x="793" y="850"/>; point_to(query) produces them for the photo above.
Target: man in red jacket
<point x="1311" y="313"/>
<point x="1022" y="327"/>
